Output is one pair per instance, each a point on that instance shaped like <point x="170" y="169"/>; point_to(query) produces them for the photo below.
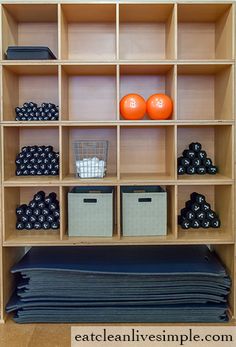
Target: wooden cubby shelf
<point x="21" y="83"/>
<point x="147" y="32"/>
<point x="203" y="30"/>
<point x="29" y="25"/>
<point x="104" y="51"/>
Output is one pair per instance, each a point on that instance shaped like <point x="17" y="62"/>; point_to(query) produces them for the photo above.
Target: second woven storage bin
<point x="144" y="211"/>
<point x="90" y="211"/>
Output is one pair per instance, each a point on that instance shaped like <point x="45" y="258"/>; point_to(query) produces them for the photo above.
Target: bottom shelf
<point x="12" y="255"/>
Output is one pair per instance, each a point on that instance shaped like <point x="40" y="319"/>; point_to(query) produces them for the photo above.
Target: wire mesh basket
<point x="90" y="158"/>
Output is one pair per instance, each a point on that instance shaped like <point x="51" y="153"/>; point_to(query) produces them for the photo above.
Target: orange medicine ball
<point x="159" y="106"/>
<point x="132" y="107"/>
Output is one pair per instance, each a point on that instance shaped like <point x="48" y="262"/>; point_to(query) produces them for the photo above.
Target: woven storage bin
<point x="90" y="211"/>
<point x="144" y="211"/>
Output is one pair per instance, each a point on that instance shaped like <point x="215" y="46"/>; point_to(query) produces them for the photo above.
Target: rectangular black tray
<point x="29" y="53"/>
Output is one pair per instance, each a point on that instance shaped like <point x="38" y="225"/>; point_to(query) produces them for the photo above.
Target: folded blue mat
<point x="120" y="284"/>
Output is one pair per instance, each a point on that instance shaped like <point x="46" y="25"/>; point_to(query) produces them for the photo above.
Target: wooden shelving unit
<point x="106" y="50"/>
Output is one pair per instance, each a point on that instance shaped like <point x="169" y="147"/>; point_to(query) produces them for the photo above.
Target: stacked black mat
<point x="120" y="284"/>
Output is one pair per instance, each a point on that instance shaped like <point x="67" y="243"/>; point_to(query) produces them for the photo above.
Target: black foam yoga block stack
<point x="194" y="160"/>
<point x="42" y="212"/>
<point x="126" y="284"/>
<point x="197" y="213"/>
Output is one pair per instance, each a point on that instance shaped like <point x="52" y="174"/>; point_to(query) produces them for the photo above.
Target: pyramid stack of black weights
<point x="37" y="160"/>
<point x="195" y="161"/>
<point x="198" y="214"/>
<point x="30" y="111"/>
<point x="42" y="212"/>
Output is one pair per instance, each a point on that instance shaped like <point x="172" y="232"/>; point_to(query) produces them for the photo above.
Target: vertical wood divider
<point x="175" y="221"/>
<point x="118" y="207"/>
<point x="117" y="32"/>
<point x="117" y="92"/>
<point x="62" y="213"/>
<point x="60" y="91"/>
<point x="118" y="212"/>
<point x="175" y="92"/>
<point x="176" y="31"/>
<point x="175" y="150"/>
<point x="59" y="24"/>
<point x="60" y="154"/>
<point x="118" y="151"/>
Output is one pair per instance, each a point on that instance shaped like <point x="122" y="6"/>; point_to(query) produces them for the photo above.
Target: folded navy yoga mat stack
<point x="120" y="284"/>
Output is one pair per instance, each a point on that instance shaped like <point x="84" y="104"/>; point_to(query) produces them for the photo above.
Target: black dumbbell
<point x="21" y="210"/>
<point x="215" y="223"/>
<point x="39" y="196"/>
<point x="50" y="155"/>
<point x="28" y="211"/>
<point x="20" y="225"/>
<point x="185" y="224"/>
<point x="50" y="218"/>
<point x="194" y="206"/>
<point x="37" y="211"/>
<point x="46" y="211"/>
<point x="184" y="161"/>
<point x="206" y="162"/>
<point x="190" y="170"/>
<point x="196" y="197"/>
<point x="210" y="215"/>
<point x="29" y="226"/>
<point x="56" y="167"/>
<point x="195" y="224"/>
<point x="200" y="215"/>
<point x="181" y="170"/>
<point x="32" y="219"/>
<point x="37" y="225"/>
<point x="25" y="172"/>
<point x="32" y="104"/>
<point x="33" y="161"/>
<point x="41" y="218"/>
<point x="201" y="170"/>
<point x="196" y="162"/>
<point x="188" y="153"/>
<point x="29" y="166"/>
<point x="55" y="225"/>
<point x="205" y="224"/>
<point x="56" y="213"/>
<point x="50" y="198"/>
<point x="39" y="172"/>
<point x="205" y="207"/>
<point x="212" y="170"/>
<point x="46" y="225"/>
<point x="33" y="172"/>
<point x="53" y="206"/>
<point x="202" y="155"/>
<point x="44" y="105"/>
<point x="18" y="160"/>
<point x="54" y="172"/>
<point x="195" y="146"/>
<point x="18" y="172"/>
<point x="23" y="218"/>
<point x="18" y="110"/>
<point x="41" y="204"/>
